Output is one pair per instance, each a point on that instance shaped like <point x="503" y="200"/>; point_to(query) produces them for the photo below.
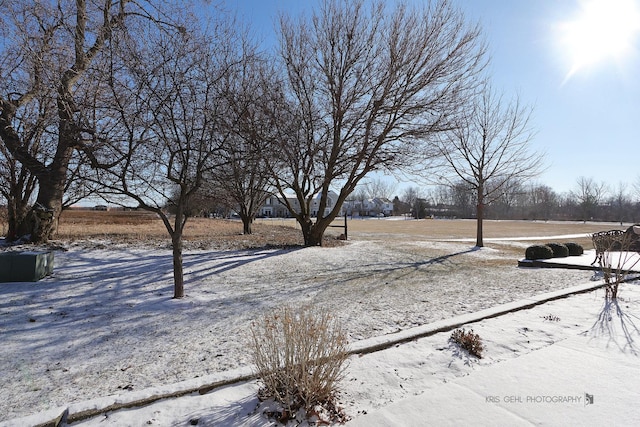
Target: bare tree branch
<point x="489" y="150"/>
<point x="367" y="86"/>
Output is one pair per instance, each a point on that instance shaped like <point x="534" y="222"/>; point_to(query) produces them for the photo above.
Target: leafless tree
<point x="440" y="195"/>
<point x="167" y="136"/>
<point x="489" y="150"/>
<point x="508" y="203"/>
<point x="366" y="86"/>
<point x="243" y="179"/>
<point x="415" y="198"/>
<point x="47" y="64"/>
<point x="78" y="187"/>
<point x="356" y="201"/>
<point x="380" y="188"/>
<point x="542" y="201"/>
<point x="621" y="203"/>
<point x="636" y="189"/>
<point x="17" y="186"/>
<point x="464" y="199"/>
<point x="244" y="176"/>
<point x="589" y="194"/>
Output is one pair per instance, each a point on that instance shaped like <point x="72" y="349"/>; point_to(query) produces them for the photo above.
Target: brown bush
<point x="469" y="341"/>
<point x="299" y="355"/>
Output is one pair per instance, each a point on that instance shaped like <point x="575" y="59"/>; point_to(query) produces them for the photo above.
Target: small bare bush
<point x="617" y="258"/>
<point x="469" y="341"/>
<point x="300" y="358"/>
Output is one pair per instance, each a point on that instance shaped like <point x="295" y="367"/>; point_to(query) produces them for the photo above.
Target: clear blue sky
<point x="587" y="118"/>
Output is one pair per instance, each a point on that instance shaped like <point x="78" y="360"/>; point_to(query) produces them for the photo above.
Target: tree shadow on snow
<point x="199" y="265"/>
<point x="612" y="318"/>
<point x="224" y="413"/>
<point x="384" y="270"/>
<point x="100" y="294"/>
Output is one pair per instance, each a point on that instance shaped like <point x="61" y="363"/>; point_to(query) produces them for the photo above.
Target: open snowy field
<point x="105" y="324"/>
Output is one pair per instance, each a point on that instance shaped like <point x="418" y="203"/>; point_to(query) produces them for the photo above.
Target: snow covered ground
<point x="105" y="325"/>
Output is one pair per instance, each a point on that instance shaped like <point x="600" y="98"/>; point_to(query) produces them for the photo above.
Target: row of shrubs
<point x="553" y="250"/>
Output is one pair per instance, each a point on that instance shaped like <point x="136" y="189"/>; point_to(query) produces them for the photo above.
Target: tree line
<point x="152" y="103"/>
<point x="587" y="201"/>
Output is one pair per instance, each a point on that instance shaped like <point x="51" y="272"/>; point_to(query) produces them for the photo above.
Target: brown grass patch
<point x="445" y="229"/>
<point x="466" y="228"/>
<point x="142" y="227"/>
<point x="134" y="228"/>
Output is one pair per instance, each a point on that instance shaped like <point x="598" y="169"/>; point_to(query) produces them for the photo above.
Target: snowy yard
<point x="105" y="323"/>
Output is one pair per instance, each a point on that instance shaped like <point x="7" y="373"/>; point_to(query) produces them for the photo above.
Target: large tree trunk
<point x="247" y="221"/>
<point x="313" y="233"/>
<point x="42" y="220"/>
<point x="316" y="235"/>
<point x="310" y="232"/>
<point x="41" y="223"/>
<point x="16" y="214"/>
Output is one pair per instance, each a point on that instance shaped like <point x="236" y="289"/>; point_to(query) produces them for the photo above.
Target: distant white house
<point x="274" y="207"/>
<point x="369" y="207"/>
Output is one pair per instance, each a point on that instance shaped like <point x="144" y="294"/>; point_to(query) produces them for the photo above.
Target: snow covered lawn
<point x="105" y="323"/>
<point x="539" y="369"/>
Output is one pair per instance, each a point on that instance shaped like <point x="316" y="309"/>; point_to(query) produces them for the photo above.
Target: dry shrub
<point x="617" y="259"/>
<point x="469" y="341"/>
<point x="300" y="358"/>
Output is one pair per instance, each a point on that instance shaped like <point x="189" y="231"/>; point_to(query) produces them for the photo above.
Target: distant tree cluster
<point x="588" y="201"/>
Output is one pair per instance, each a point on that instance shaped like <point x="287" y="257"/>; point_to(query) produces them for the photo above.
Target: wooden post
<point x="346" y="236"/>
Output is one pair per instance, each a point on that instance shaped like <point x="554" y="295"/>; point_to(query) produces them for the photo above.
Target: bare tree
<point x="244" y="176"/>
<point x="589" y="194"/>
<point x="358" y="199"/>
<point x="48" y="60"/>
<point x="243" y="179"/>
<point x="441" y="195"/>
<point x="17" y="186"/>
<point x="621" y="203"/>
<point x="636" y="188"/>
<point x="507" y="204"/>
<point x="167" y="119"/>
<point x="489" y="150"/>
<point x="542" y="201"/>
<point x="415" y="198"/>
<point x="79" y="186"/>
<point x="364" y="88"/>
<point x="380" y="188"/>
<point x="464" y="199"/>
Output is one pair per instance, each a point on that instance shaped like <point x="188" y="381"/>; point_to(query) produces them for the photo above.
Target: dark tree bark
<point x="17" y="185"/>
<point x="55" y="46"/>
<point x="365" y="88"/>
<point x="176" y="244"/>
<point x="480" y="217"/>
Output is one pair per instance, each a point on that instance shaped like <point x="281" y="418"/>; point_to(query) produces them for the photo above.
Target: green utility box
<point x="25" y="266"/>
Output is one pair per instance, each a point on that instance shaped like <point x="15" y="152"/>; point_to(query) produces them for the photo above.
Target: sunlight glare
<point x="604" y="29"/>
